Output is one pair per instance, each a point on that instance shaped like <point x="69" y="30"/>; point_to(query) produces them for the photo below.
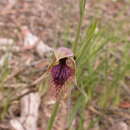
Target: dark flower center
<point x="61" y="73"/>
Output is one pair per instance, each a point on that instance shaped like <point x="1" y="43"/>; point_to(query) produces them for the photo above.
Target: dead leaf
<point x="124" y="104"/>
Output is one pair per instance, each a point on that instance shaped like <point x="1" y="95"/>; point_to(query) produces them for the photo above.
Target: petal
<point x="63" y="52"/>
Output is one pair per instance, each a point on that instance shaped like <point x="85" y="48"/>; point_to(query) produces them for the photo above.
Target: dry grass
<point x="103" y="84"/>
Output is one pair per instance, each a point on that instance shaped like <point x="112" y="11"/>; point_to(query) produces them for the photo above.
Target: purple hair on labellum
<point x="61" y="73"/>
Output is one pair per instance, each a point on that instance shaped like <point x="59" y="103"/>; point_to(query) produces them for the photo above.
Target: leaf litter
<point x="44" y="21"/>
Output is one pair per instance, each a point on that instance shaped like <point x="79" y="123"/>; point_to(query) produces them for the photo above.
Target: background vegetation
<point x="101" y="44"/>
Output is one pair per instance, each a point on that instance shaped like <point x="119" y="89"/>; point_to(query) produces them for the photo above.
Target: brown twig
<point x="92" y="109"/>
<point x="20" y="69"/>
<point x="31" y="86"/>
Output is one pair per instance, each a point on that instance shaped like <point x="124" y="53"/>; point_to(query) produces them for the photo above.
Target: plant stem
<point x="53" y="115"/>
<point x="82" y="8"/>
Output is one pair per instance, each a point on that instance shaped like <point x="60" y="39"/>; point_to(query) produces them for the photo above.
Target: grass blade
<point x="53" y="115"/>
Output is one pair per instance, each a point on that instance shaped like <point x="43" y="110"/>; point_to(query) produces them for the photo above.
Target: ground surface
<point x="55" y="22"/>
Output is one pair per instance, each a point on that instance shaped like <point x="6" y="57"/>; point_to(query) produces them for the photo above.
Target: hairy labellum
<point x="61" y="73"/>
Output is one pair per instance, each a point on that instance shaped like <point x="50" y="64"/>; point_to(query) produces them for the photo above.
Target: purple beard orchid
<point x="61" y="73"/>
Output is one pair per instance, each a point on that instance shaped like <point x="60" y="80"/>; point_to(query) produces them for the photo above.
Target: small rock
<point x="31" y="41"/>
<point x="119" y="126"/>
